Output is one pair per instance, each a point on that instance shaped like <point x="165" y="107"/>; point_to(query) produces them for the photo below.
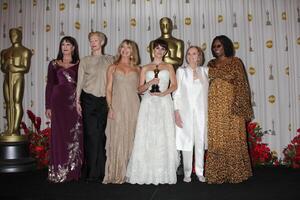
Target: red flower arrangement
<point x="259" y="152"/>
<point x="292" y="152"/>
<point x="38" y="139"/>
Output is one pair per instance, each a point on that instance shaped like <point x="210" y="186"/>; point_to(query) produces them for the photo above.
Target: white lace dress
<point x="154" y="158"/>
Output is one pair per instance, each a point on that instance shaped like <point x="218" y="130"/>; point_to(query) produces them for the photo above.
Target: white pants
<point x="199" y="149"/>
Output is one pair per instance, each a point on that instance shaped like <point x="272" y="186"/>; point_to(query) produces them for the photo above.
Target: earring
<point x="131" y="57"/>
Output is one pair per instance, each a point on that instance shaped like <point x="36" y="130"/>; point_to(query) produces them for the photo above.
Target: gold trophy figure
<point x="15" y="62"/>
<point x="176" y="46"/>
<point x="155" y="87"/>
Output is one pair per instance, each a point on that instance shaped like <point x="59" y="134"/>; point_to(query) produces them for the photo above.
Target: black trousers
<point x="94" y="113"/>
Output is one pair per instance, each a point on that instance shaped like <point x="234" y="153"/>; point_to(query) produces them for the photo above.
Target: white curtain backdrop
<point x="266" y="36"/>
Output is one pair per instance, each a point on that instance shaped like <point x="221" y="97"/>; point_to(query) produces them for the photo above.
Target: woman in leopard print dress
<point x="229" y="108"/>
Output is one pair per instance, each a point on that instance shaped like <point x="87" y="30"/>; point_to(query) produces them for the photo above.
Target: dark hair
<point x="160" y="42"/>
<point x="227" y="45"/>
<point x="75" y="54"/>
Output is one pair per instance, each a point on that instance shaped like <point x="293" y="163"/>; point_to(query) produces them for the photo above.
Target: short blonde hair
<point x="134" y="57"/>
<point x="99" y="34"/>
<point x="201" y="58"/>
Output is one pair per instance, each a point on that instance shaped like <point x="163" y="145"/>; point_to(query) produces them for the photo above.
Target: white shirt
<point x="191" y="99"/>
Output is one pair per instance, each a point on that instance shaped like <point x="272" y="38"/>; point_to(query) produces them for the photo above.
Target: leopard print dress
<point x="229" y="108"/>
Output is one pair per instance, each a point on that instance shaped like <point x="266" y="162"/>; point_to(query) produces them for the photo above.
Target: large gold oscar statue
<point x="15" y="62"/>
<point x="176" y="46"/>
<point x="14" y="148"/>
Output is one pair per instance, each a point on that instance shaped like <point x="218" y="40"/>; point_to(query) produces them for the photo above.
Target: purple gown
<point x="66" y="141"/>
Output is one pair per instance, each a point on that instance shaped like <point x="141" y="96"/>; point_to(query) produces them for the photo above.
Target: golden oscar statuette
<point x="155" y="87"/>
<point x="15" y="62"/>
<point x="176" y="46"/>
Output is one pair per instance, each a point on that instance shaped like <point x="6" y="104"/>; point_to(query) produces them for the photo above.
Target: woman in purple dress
<point x="66" y="150"/>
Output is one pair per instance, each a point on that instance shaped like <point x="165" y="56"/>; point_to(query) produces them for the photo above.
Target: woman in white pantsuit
<point x="190" y="101"/>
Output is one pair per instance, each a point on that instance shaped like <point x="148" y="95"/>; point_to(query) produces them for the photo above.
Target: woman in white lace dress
<point x="154" y="158"/>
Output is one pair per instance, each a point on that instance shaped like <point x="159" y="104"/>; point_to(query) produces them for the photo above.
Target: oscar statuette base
<point x="14" y="154"/>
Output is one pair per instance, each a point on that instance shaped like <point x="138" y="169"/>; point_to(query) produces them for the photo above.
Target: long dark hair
<point x="75" y="53"/>
<point x="227" y="45"/>
<point x="162" y="43"/>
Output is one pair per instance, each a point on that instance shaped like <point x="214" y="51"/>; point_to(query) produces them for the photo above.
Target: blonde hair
<point x="201" y="56"/>
<point x="134" y="57"/>
<point x="99" y="34"/>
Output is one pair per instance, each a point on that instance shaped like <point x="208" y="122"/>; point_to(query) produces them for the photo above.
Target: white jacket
<point x="191" y="99"/>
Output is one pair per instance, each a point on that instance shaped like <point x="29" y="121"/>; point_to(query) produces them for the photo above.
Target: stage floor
<point x="274" y="183"/>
